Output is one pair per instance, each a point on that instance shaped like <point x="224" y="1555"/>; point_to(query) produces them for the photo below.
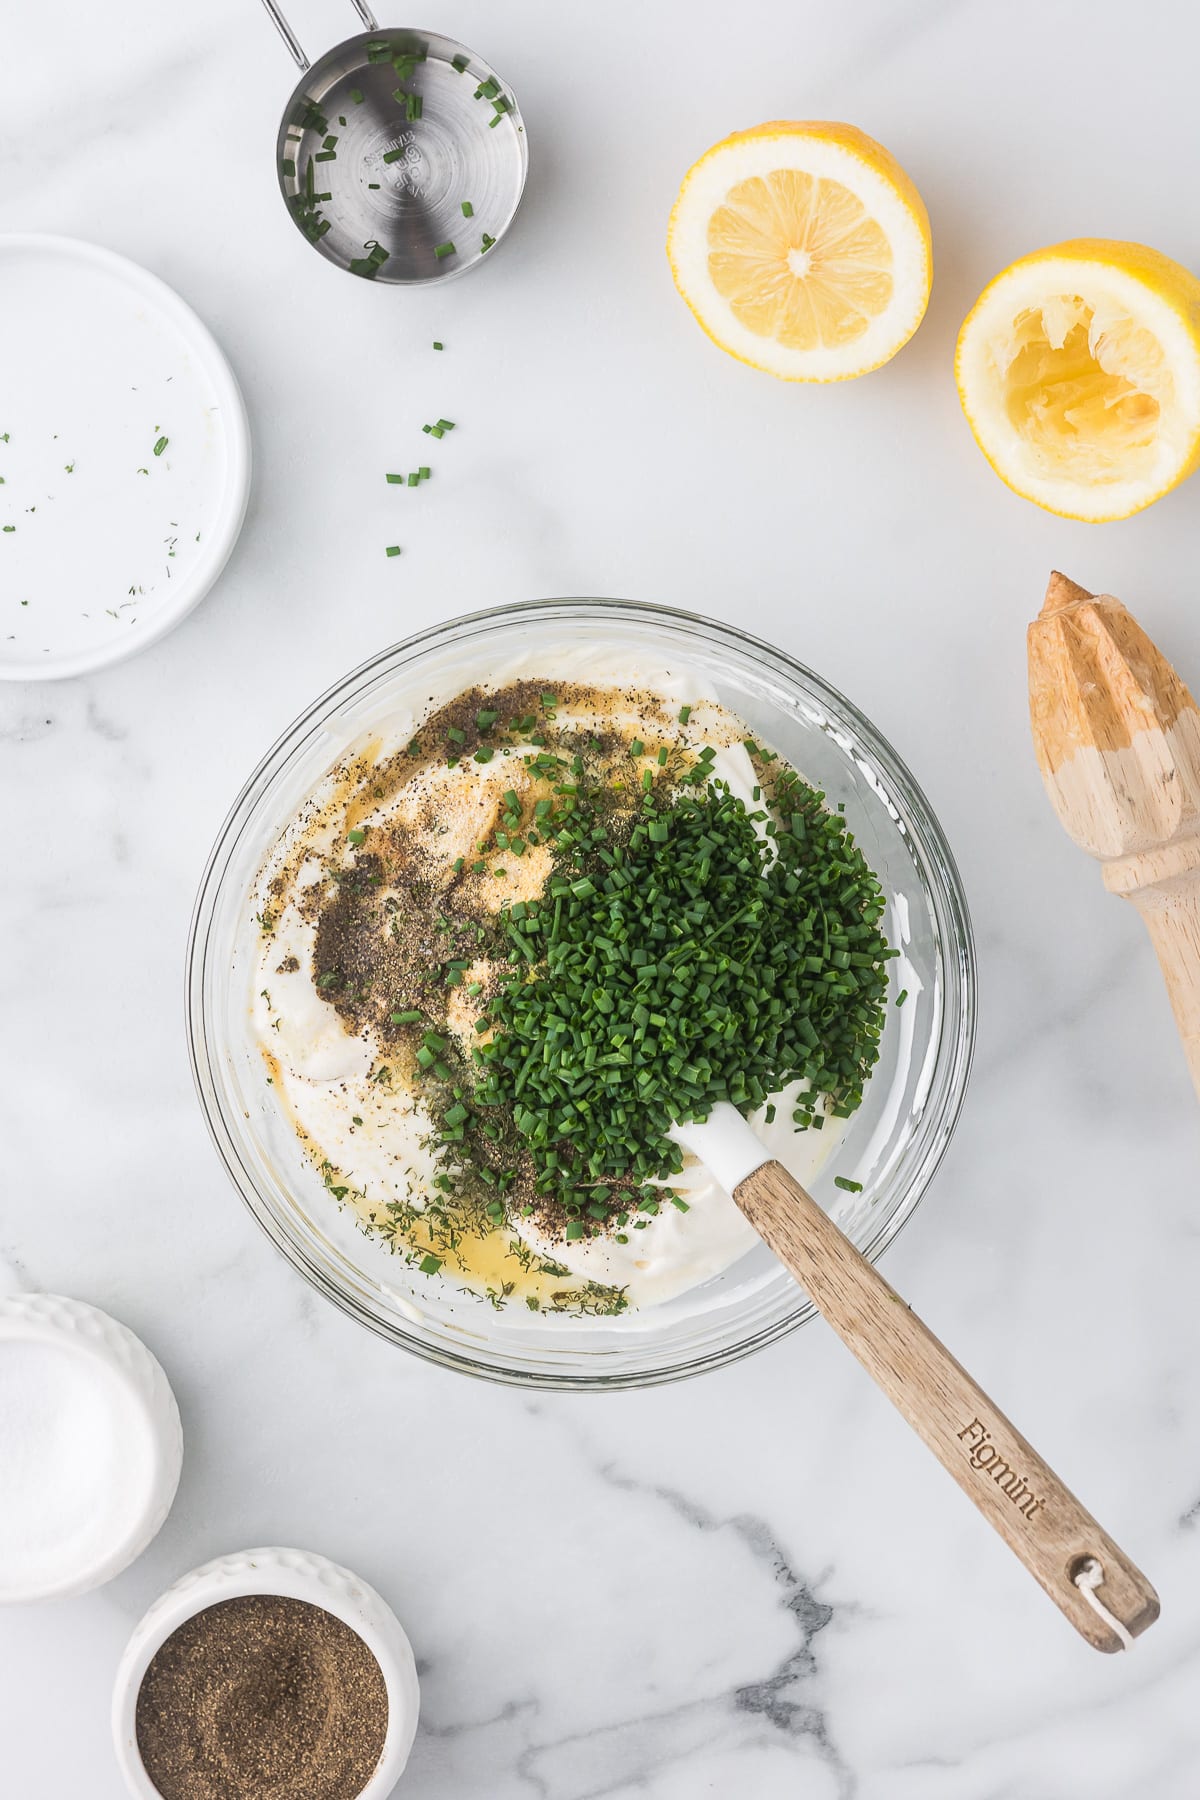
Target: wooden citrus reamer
<point x="1117" y="736"/>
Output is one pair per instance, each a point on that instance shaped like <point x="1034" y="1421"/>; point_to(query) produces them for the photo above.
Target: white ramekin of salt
<point x="91" y="1447"/>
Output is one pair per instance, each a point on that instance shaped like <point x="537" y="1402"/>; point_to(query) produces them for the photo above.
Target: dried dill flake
<point x="262" y="1695"/>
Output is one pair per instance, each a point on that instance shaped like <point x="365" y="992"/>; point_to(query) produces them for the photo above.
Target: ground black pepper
<point x="262" y="1698"/>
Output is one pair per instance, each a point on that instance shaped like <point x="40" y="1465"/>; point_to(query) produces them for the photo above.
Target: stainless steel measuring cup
<point x="401" y="155"/>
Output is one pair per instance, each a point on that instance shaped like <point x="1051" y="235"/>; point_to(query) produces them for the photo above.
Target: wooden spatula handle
<point x="1039" y="1519"/>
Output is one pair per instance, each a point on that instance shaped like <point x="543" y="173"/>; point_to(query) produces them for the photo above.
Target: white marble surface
<point x="757" y="1585"/>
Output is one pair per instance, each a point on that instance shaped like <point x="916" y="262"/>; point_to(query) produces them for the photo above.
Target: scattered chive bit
<point x="902" y="996"/>
<point x="10" y="528"/>
<point x="487" y="90"/>
<point x="446" y="249"/>
<point x="468" y="211"/>
<point x="356" y="94"/>
<point x="394" y="480"/>
<point x="423" y="474"/>
<point x="329" y="143"/>
<point x="341" y="118"/>
<point x="161" y="446"/>
<point x="289" y="166"/>
<point x="325" y="156"/>
<point x="414" y="480"/>
<point x="438" y="346"/>
<point x="391" y="156"/>
<point x="458" y="63"/>
<point x="392" y="550"/>
<point x="357" y="836"/>
<point x="444" y="425"/>
<point x="495" y="120"/>
<point x="769" y="1115"/>
<point x="685" y="713"/>
<point x="412" y="1017"/>
<point x="487" y="242"/>
<point x="849" y="1187"/>
<point x="413" y="107"/>
<point x="372" y="184"/>
<point x="427" y="428"/>
<point x="429" y="1265"/>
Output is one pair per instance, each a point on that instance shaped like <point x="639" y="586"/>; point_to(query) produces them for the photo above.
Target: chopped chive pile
<point x="695" y="961"/>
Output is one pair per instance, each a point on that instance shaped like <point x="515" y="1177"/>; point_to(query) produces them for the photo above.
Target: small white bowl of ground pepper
<point x="267" y="1675"/>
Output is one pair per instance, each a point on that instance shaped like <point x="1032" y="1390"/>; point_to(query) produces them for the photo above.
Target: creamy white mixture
<point x="375" y="1136"/>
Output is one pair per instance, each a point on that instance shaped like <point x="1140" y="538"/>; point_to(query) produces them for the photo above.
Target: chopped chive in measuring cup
<point x="468" y="211"/>
<point x="161" y="446"/>
<point x="391" y="156"/>
<point x="459" y="64"/>
<point x="848" y="1187"/>
<point x="487" y="242"/>
<point x="902" y="996"/>
<point x="341" y="119"/>
<point x="289" y="166"/>
<point x="413" y="107"/>
<point x="356" y="94"/>
<point x="446" y="249"/>
<point x="372" y="184"/>
<point x="330" y="142"/>
<point x="325" y="156"/>
<point x="487" y="90"/>
<point x="392" y="550"/>
<point x="495" y="119"/>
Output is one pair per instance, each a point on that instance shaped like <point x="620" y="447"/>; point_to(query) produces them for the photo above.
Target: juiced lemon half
<point x="802" y="249"/>
<point x="1079" y="372"/>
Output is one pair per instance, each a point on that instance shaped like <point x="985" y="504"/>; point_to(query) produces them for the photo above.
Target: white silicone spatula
<point x="1106" y="1598"/>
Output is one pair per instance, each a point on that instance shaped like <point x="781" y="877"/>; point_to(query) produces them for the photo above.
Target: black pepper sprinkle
<point x="262" y="1698"/>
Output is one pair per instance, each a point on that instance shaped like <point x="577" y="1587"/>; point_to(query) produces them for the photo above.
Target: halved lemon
<point x="802" y="249"/>
<point x="1079" y="372"/>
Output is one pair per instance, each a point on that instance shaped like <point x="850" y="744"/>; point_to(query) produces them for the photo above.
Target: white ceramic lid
<point x="92" y="1447"/>
<point x="104" y="544"/>
<point x="295" y="1575"/>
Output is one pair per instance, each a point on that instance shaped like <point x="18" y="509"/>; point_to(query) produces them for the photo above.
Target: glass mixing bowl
<point x="894" y="1142"/>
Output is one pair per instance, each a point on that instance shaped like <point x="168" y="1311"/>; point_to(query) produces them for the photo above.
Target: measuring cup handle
<point x="293" y="42"/>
